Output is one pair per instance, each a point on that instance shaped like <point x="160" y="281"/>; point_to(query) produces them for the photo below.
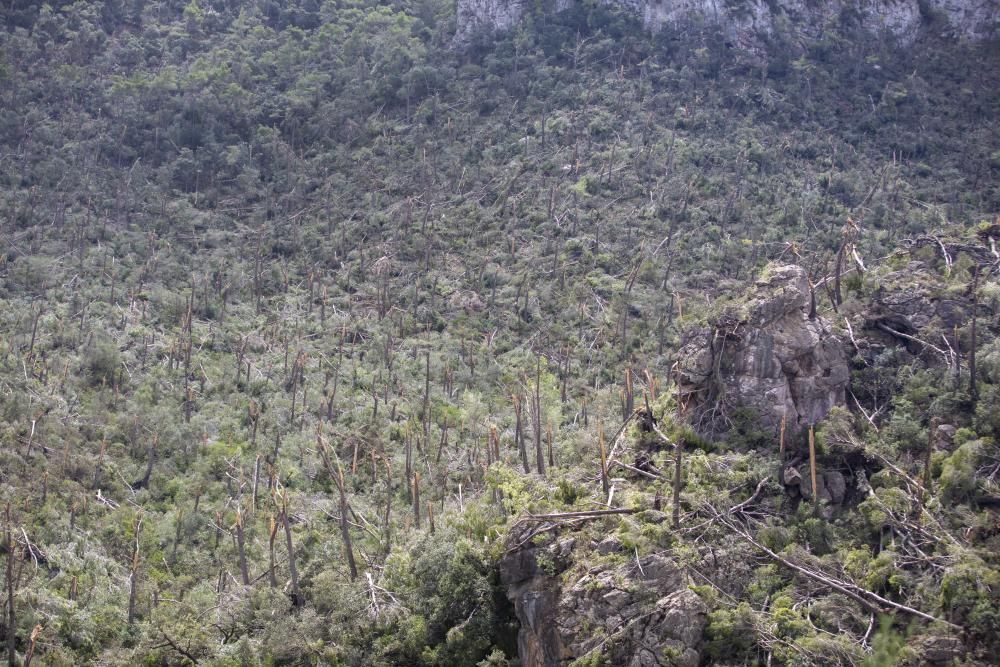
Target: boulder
<point x="831" y="486"/>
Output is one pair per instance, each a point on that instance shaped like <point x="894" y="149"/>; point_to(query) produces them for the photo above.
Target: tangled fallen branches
<point x="866" y="598"/>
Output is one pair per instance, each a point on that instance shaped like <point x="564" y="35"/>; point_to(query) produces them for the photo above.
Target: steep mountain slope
<point x="309" y="319"/>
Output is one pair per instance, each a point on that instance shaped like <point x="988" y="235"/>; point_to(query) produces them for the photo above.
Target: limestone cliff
<point x="746" y="21"/>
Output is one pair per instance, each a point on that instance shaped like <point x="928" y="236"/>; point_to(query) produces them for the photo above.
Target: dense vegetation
<point x="281" y="276"/>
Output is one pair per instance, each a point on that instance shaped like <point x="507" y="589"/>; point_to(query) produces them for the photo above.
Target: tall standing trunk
<point x="134" y="574"/>
<point x="973" y="389"/>
<point x="292" y="570"/>
<point x="605" y="482"/>
<point x="426" y="412"/>
<point x="536" y="409"/>
<point x="519" y="433"/>
<point x="144" y="482"/>
<point x="416" y="499"/>
<point x="678" y="452"/>
<point x="338" y="478"/>
<point x="388" y="506"/>
<point x="812" y="466"/>
<point x="781" y="436"/>
<point x="241" y="546"/>
<point x="271" y="535"/>
<point x="925" y="482"/>
<point x="11" y="618"/>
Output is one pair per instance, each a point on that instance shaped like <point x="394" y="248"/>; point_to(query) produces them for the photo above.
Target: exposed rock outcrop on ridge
<point x="775" y="358"/>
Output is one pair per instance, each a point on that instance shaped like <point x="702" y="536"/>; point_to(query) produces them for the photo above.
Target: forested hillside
<point x="327" y="340"/>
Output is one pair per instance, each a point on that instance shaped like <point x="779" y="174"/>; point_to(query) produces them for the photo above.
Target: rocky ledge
<point x="636" y="612"/>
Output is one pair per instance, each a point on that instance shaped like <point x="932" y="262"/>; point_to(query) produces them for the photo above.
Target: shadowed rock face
<point x="635" y="614"/>
<point x="774" y="360"/>
<point x="745" y="22"/>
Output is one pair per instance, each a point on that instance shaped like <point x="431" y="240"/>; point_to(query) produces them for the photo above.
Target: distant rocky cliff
<point x="747" y="20"/>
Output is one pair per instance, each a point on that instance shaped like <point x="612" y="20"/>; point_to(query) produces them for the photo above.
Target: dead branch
<point x="750" y="500"/>
<point x="900" y="334"/>
<point x="174" y="645"/>
<point x="869" y="600"/>
<point x="587" y="514"/>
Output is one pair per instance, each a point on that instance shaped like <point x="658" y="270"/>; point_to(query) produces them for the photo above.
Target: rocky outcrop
<point x="637" y="613"/>
<point x="772" y="357"/>
<point x="745" y="22"/>
<point x="913" y="302"/>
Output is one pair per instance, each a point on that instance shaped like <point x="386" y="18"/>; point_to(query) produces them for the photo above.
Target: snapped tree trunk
<point x="338" y="478"/>
<point x="292" y="571"/>
<point x="240" y="544"/>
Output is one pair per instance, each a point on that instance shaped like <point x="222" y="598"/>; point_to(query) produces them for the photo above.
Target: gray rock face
<point x="639" y="614"/>
<point x="746" y="21"/>
<point x="775" y="360"/>
<point x="831" y="486"/>
<point x="528" y="575"/>
<point x="939" y="650"/>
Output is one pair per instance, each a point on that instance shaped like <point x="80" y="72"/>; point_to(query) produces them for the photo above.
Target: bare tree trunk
<point x="628" y="394"/>
<point x="973" y="389"/>
<point x="272" y="533"/>
<point x="537" y="410"/>
<point x="388" y="506"/>
<point x="34" y="332"/>
<point x="241" y="546"/>
<point x="519" y="433"/>
<point x="416" y="499"/>
<point x="338" y="478"/>
<point x="177" y="534"/>
<point x="678" y="453"/>
<point x="134" y="574"/>
<point x="605" y="483"/>
<point x="256" y="478"/>
<point x="812" y="467"/>
<point x="781" y="436"/>
<point x="426" y="412"/>
<point x="925" y="482"/>
<point x="548" y="442"/>
<point x="293" y="572"/>
<point x="11" y="617"/>
<point x="837" y="297"/>
<point x="144" y="482"/>
<point x="408" y="472"/>
<point x="31" y="645"/>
